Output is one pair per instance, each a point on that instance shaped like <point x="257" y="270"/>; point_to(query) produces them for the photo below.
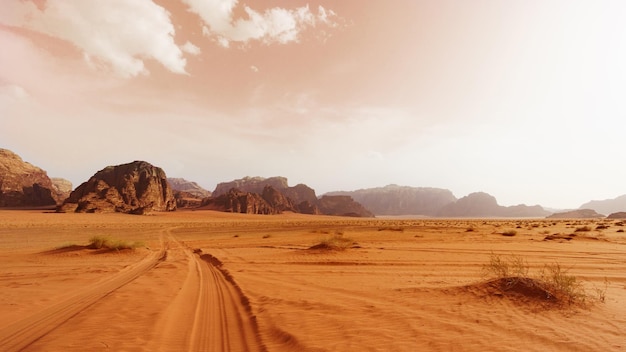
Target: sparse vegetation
<point x="583" y="229"/>
<point x="267" y="236"/>
<point x="391" y="228"/>
<point x="336" y="242"/>
<point x="104" y="242"/>
<point x="509" y="233"/>
<point x="553" y="281"/>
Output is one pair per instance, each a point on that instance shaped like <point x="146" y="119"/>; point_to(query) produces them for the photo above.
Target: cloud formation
<point x="275" y="25"/>
<point x="107" y="32"/>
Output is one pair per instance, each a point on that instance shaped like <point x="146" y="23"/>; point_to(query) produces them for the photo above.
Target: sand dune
<point x="209" y="281"/>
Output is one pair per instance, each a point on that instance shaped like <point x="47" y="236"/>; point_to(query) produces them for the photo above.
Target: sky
<point x="522" y="99"/>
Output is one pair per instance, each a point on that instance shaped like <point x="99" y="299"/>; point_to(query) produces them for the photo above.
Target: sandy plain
<point x="209" y="281"/>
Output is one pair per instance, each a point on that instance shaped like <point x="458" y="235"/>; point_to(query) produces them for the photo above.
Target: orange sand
<point x="209" y="281"/>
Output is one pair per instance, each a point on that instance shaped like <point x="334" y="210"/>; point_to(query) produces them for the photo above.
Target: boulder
<point x="133" y="188"/>
<point x="23" y="184"/>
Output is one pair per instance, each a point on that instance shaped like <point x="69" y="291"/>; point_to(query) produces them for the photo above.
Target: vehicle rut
<point x="24" y="332"/>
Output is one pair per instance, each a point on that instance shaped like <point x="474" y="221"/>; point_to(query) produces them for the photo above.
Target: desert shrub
<point x="560" y="284"/>
<point x="470" y="229"/>
<point x="391" y="228"/>
<point x="602" y="227"/>
<point x="509" y="267"/>
<point x="583" y="229"/>
<point x="336" y="242"/>
<point x="100" y="242"/>
<point x="553" y="280"/>
<point x="620" y="230"/>
<point x="509" y="233"/>
<point x="267" y="236"/>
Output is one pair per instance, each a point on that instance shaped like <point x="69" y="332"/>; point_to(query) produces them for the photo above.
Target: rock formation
<point x="607" y="206"/>
<point x="187" y="200"/>
<point x="180" y="184"/>
<point x="618" y="215"/>
<point x="61" y="189"/>
<point x="273" y="195"/>
<point x="402" y="200"/>
<point x="251" y="184"/>
<point x="23" y="184"/>
<point x="342" y="206"/>
<point x="135" y="188"/>
<point x="237" y="201"/>
<point x="577" y="214"/>
<point x="481" y="204"/>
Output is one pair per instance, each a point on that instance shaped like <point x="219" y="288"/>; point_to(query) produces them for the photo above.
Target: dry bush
<point x="104" y="242"/>
<point x="336" y="242"/>
<point x="554" y="282"/>
<point x="509" y="233"/>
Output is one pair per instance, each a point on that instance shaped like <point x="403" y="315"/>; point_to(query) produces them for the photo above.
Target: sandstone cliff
<point x="481" y="204"/>
<point x="251" y="184"/>
<point x="607" y="206"/>
<point x="342" y="206"/>
<point x="61" y="189"/>
<point x="180" y="184"/>
<point x="23" y="184"/>
<point x="237" y="201"/>
<point x="135" y="188"/>
<point x="402" y="200"/>
<point x="577" y="214"/>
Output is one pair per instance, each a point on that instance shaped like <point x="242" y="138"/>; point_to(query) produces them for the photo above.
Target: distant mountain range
<point x="25" y="185"/>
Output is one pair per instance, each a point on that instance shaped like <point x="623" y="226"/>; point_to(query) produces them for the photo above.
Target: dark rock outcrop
<point x="180" y="184"/>
<point x="134" y="188"/>
<point x="577" y="214"/>
<point x="187" y="200"/>
<point x="607" y="206"/>
<point x="273" y="195"/>
<point x="237" y="201"/>
<point x="402" y="200"/>
<point x="61" y="189"/>
<point x="23" y="184"/>
<point x="342" y="206"/>
<point x="481" y="204"/>
<point x="251" y="185"/>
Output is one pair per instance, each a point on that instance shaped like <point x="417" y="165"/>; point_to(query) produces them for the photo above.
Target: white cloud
<point x="275" y="25"/>
<point x="189" y="48"/>
<point x="118" y="33"/>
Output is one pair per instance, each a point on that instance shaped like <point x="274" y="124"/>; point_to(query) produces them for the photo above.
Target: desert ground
<point x="210" y="281"/>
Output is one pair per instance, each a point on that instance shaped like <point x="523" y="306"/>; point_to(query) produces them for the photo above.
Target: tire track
<point x="222" y="320"/>
<point x="23" y="333"/>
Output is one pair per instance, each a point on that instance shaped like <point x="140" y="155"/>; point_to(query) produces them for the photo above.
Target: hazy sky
<point x="525" y="100"/>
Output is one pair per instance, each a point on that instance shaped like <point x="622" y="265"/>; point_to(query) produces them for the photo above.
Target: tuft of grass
<point x="509" y="233"/>
<point x="583" y="229"/>
<point x="104" y="242"/>
<point x="553" y="280"/>
<point x="336" y="242"/>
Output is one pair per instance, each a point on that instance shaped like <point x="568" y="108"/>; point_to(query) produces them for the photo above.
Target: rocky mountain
<point x="618" y="215"/>
<point x="342" y="206"/>
<point x="402" y="200"/>
<point x="61" y="189"/>
<point x="607" y="206"/>
<point x="237" y="201"/>
<point x="180" y="184"/>
<point x="23" y="184"/>
<point x="273" y="195"/>
<point x="481" y="204"/>
<point x="135" y="188"/>
<point x="251" y="184"/>
<point x="187" y="200"/>
<point x="577" y="214"/>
